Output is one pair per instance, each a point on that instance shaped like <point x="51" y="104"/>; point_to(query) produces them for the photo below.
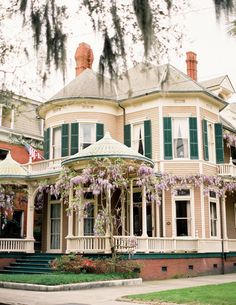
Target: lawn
<point x="60" y="278"/>
<point x="223" y="294"/>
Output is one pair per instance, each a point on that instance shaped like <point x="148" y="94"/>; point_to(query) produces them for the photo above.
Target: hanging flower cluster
<point x="230" y="139"/>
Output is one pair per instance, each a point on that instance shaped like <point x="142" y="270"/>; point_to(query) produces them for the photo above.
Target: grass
<point x="57" y="278"/>
<point x="222" y="294"/>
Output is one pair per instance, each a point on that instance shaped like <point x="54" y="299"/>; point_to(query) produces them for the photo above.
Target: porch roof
<point x="9" y="168"/>
<point x="107" y="148"/>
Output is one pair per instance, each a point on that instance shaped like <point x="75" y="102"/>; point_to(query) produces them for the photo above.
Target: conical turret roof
<point x="107" y="147"/>
<point x="12" y="169"/>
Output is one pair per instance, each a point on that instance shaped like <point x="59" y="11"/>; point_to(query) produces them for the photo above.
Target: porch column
<point x="157" y="222"/>
<point x="30" y="213"/>
<point x="224" y="224"/>
<point x="109" y="225"/>
<point x="144" y="212"/>
<point x="123" y="212"/>
<point x="30" y="219"/>
<point x="71" y="214"/>
<point x="131" y="211"/>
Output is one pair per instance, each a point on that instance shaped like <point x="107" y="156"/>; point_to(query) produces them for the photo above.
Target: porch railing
<point x="45" y="165"/>
<point x="16" y="245"/>
<point x="227" y="169"/>
<point x="127" y="244"/>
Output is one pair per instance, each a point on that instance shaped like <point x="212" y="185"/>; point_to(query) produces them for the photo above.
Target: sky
<point x="202" y="34"/>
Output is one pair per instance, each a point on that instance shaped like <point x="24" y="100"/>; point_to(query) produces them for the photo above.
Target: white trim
<point x="203" y="221"/>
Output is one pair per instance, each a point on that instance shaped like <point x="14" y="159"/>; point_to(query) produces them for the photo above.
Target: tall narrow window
<point x="183" y="219"/>
<point x="56" y="142"/>
<point x="211" y="137"/>
<point x="87" y="134"/>
<point x="89" y="214"/>
<point x="138" y="138"/>
<point x="213" y="218"/>
<point x="180" y="137"/>
<point x="235" y="215"/>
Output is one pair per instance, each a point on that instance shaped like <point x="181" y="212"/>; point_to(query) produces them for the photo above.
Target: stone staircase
<point x="31" y="264"/>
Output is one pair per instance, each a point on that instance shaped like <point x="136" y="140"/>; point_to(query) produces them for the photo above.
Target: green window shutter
<point x="219" y="143"/>
<point x="99" y="131"/>
<point x="47" y="143"/>
<point x="74" y="146"/>
<point x="205" y="140"/>
<point x="64" y="140"/>
<point x="127" y="135"/>
<point x="193" y="138"/>
<point x="148" y="138"/>
<point x="167" y="129"/>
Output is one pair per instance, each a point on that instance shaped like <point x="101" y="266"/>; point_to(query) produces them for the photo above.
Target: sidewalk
<point x="105" y="295"/>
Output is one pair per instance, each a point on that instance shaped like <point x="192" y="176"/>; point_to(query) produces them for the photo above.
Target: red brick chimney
<point x="191" y="64"/>
<point x="83" y="58"/>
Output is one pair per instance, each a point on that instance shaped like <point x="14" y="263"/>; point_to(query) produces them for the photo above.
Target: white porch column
<point x="131" y="211"/>
<point x="224" y="224"/>
<point x="30" y="213"/>
<point x="30" y="219"/>
<point x="108" y="226"/>
<point x="71" y="214"/>
<point x="144" y="213"/>
<point x="123" y="212"/>
<point x="157" y="220"/>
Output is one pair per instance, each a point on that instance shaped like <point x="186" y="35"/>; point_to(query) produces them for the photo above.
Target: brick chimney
<point x="191" y="64"/>
<point x="83" y="58"/>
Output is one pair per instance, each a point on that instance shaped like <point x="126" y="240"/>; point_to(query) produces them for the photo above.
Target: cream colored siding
<point x="168" y="213"/>
<point x="209" y="115"/>
<point x="182" y="168"/>
<point x="209" y="170"/>
<point x="197" y="211"/>
<point x="168" y="110"/>
<point x="109" y="121"/>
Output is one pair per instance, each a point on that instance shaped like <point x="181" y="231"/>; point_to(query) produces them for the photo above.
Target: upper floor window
<point x="138" y="138"/>
<point x="67" y="139"/>
<point x="211" y="143"/>
<point x="87" y="134"/>
<point x="180" y="137"/>
<point x="56" y="142"/>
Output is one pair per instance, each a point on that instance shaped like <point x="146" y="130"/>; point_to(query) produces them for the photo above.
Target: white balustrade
<point x="44" y="165"/>
<point x="16" y="245"/>
<point x="227" y="169"/>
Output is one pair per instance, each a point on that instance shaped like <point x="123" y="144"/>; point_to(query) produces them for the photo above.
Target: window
<point x="213" y="218"/>
<point x="138" y="138"/>
<point x="180" y="137"/>
<point x="210" y="139"/>
<point x="89" y="214"/>
<point x="3" y="154"/>
<point x="87" y="135"/>
<point x="56" y="142"/>
<point x="183" y="220"/>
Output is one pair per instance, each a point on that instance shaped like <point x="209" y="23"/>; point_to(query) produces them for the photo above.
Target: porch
<point x="128" y="244"/>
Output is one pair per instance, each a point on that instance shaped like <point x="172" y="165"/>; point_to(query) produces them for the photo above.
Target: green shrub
<point x="73" y="263"/>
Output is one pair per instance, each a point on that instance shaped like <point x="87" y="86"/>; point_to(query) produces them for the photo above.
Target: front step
<point x="31" y="264"/>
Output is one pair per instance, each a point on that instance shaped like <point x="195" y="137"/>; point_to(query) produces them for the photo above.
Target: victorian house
<point x="162" y="117"/>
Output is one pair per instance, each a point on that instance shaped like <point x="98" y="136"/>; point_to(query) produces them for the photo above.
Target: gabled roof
<point x="220" y="81"/>
<point x="227" y="125"/>
<point x="107" y="148"/>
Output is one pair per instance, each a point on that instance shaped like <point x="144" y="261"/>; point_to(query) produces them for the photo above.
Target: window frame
<point x="214" y="200"/>
<point x="174" y="151"/>
<point x="135" y="142"/>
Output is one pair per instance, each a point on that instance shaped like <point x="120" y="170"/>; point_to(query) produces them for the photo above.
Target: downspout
<point x="124" y="114"/>
<point x="222" y="238"/>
